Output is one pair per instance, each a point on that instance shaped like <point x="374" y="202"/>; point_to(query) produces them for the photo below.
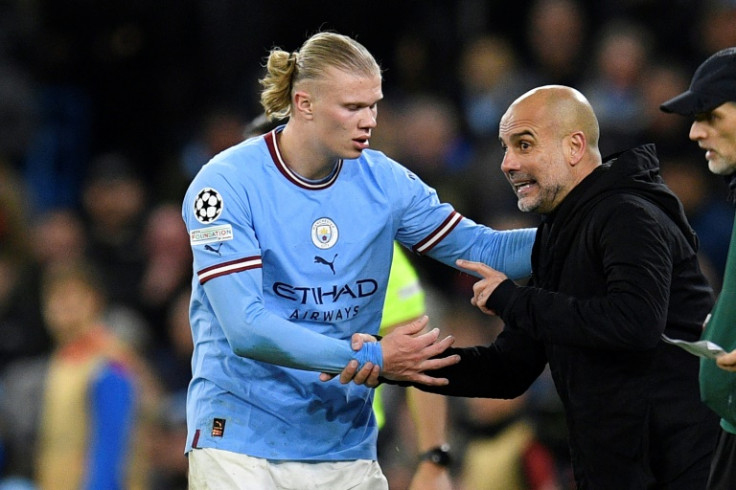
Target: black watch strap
<point x="439" y="455"/>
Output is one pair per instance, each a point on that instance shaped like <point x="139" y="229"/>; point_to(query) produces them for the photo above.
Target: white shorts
<point x="215" y="469"/>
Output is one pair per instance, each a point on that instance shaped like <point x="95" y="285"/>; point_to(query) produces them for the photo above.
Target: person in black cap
<point x="711" y="101"/>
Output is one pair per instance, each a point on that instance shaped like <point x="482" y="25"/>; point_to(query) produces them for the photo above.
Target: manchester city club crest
<point x="324" y="233"/>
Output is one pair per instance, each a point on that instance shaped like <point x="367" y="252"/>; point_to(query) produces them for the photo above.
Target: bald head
<point x="563" y="108"/>
<point x="550" y="135"/>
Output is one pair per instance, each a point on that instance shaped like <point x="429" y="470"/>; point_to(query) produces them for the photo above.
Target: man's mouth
<point x="523" y="186"/>
<point x="362" y="143"/>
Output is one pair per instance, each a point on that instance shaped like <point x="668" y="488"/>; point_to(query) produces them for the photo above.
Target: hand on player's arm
<point x="482" y="290"/>
<point x="406" y="355"/>
<point x="727" y="362"/>
<point x="367" y="375"/>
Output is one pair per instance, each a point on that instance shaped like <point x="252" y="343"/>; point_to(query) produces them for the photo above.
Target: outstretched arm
<point x="407" y="354"/>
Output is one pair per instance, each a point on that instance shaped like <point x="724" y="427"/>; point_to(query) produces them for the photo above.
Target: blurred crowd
<point x="107" y="110"/>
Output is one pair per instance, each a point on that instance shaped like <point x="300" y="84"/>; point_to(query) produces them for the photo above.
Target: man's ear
<point x="576" y="147"/>
<point x="303" y="104"/>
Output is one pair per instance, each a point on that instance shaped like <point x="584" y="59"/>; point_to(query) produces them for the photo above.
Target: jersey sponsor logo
<point x="208" y="205"/>
<point x="213" y="234"/>
<point x="324" y="233"/>
<point x="319" y="295"/>
<point x="325" y="316"/>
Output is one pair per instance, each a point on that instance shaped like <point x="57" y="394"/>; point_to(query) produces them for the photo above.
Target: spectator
<point x="115" y="210"/>
<point x="490" y="79"/>
<point x="166" y="267"/>
<point x="555" y="35"/>
<point x="614" y="87"/>
<point x="91" y="430"/>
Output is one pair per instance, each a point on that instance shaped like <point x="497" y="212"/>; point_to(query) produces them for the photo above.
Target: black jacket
<point x="614" y="266"/>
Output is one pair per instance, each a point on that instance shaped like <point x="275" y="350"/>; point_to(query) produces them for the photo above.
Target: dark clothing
<point x="614" y="266"/>
<point x="717" y="388"/>
<point x="731" y="181"/>
<point x="723" y="467"/>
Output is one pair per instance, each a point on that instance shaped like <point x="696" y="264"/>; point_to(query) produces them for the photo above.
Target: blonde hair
<point x="321" y="51"/>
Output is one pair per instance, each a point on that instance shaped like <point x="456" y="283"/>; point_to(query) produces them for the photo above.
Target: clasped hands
<point x="408" y="353"/>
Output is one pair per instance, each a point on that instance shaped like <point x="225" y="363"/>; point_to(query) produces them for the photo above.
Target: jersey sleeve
<point x="228" y="272"/>
<point x="253" y="332"/>
<point x="430" y="227"/>
<point x="508" y="251"/>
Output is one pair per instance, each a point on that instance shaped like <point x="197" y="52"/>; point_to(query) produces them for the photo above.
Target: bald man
<point x="614" y="267"/>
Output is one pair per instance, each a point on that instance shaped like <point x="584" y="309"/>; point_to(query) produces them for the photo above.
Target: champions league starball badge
<point x="324" y="233"/>
<point x="207" y="205"/>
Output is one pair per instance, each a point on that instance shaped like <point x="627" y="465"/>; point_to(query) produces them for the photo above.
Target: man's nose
<point x="509" y="163"/>
<point x="369" y="118"/>
<point x="697" y="131"/>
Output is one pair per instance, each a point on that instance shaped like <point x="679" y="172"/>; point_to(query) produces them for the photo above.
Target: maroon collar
<point x="292" y="176"/>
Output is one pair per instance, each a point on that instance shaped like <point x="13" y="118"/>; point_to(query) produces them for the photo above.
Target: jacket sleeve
<point x="717" y="386"/>
<point x="504" y="369"/>
<point x="634" y="247"/>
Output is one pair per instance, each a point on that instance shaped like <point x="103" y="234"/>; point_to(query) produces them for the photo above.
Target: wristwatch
<point x="439" y="455"/>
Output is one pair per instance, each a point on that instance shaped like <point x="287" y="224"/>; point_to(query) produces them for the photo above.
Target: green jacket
<point x="718" y="387"/>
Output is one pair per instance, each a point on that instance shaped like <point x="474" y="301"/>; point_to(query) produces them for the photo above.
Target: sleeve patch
<point x="212" y="234"/>
<point x="208" y="205"/>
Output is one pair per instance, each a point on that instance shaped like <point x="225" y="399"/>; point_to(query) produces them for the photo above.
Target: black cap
<point x="714" y="83"/>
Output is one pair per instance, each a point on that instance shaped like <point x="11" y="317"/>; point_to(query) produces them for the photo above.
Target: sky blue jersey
<point x="285" y="271"/>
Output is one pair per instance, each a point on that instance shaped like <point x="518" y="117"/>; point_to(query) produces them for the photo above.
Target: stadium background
<point x="94" y="93"/>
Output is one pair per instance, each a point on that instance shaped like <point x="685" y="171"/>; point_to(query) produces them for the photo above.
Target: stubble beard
<point x="722" y="166"/>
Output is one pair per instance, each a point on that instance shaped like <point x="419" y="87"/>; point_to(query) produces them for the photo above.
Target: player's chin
<point x="360" y="145"/>
<point x="351" y="155"/>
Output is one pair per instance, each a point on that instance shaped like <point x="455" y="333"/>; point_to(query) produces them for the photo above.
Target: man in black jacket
<point x="614" y="267"/>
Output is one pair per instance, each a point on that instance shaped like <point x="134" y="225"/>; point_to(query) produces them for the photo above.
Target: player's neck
<point x="301" y="156"/>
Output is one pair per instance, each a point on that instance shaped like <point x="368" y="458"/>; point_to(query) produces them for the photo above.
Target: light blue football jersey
<point x="285" y="271"/>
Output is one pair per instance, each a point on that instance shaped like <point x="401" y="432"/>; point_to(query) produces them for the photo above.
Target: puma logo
<point x="331" y="265"/>
<point x="213" y="249"/>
